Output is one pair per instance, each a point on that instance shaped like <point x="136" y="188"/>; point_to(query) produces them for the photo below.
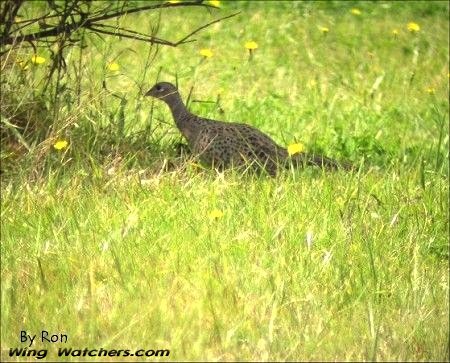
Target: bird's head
<point x="163" y="91"/>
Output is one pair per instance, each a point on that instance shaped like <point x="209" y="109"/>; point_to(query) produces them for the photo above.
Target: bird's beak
<point x="148" y="93"/>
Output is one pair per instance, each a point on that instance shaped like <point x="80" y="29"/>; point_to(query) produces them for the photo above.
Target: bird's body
<point x="223" y="144"/>
<point x="226" y="144"/>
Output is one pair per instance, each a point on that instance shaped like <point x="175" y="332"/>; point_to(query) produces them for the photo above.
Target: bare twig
<point x="138" y="36"/>
<point x="86" y="22"/>
<point x="8" y="14"/>
<point x="149" y="7"/>
<point x="183" y="40"/>
<point x="146" y="39"/>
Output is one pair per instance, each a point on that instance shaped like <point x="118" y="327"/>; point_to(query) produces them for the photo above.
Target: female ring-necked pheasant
<point x="225" y="144"/>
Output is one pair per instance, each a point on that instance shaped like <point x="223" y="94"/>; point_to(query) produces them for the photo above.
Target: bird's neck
<point x="180" y="114"/>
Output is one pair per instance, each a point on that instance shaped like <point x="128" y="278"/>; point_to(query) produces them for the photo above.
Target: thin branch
<point x="4" y="40"/>
<point x="41" y="34"/>
<point x="203" y="27"/>
<point x="149" y="7"/>
<point x="92" y="24"/>
<point x="148" y="39"/>
<point x="128" y="31"/>
<point x="8" y="15"/>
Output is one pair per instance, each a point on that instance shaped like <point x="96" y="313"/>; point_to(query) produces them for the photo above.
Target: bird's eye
<point x="159" y="88"/>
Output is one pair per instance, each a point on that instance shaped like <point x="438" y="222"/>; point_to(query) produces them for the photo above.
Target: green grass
<point x="112" y="242"/>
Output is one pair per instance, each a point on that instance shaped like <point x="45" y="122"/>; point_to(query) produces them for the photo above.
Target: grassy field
<point x="120" y="242"/>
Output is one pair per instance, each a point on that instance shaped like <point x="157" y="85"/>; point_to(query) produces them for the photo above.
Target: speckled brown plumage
<point x="225" y="144"/>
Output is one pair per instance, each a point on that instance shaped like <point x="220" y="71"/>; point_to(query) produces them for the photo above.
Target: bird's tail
<point x="302" y="159"/>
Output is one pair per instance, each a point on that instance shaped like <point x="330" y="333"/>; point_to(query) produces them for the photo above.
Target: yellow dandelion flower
<point x="215" y="3"/>
<point x="413" y="27"/>
<point x="207" y="53"/>
<point x="60" y="145"/>
<point x="251" y="45"/>
<point x="324" y="29"/>
<point x="312" y="83"/>
<point x="431" y="90"/>
<point x="36" y="59"/>
<point x="174" y="1"/>
<point x="355" y="11"/>
<point x="395" y="32"/>
<point x="215" y="214"/>
<point x="295" y="148"/>
<point x="113" y="66"/>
